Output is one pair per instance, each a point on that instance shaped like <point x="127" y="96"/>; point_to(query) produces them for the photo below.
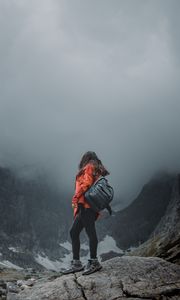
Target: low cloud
<point x="88" y="75"/>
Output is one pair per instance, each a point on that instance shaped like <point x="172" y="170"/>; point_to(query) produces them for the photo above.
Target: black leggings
<point x="85" y="218"/>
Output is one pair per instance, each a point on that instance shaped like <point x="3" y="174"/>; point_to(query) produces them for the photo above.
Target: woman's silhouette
<point x="89" y="170"/>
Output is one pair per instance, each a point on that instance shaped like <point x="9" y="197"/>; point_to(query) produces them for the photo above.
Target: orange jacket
<point x="82" y="183"/>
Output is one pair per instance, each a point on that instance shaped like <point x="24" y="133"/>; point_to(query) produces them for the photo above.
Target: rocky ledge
<point x="120" y="278"/>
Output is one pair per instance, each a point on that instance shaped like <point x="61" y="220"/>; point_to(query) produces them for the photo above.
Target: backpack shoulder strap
<point x="108" y="207"/>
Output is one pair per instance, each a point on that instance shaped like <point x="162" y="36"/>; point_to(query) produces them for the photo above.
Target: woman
<point x="90" y="168"/>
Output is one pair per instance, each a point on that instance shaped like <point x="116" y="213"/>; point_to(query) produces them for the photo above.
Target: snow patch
<point x="130" y="249"/>
<point x="47" y="263"/>
<point x="67" y="245"/>
<point x="55" y="265"/>
<point x="13" y="249"/>
<point x="84" y="246"/>
<point x="8" y="264"/>
<point x="108" y="244"/>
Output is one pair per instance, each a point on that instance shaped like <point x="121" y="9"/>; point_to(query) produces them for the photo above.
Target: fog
<point x="90" y="75"/>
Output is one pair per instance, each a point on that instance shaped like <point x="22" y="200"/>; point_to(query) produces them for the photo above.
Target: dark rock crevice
<point x="79" y="286"/>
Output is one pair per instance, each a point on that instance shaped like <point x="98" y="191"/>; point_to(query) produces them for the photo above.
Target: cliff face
<point x="164" y="241"/>
<point x="134" y="224"/>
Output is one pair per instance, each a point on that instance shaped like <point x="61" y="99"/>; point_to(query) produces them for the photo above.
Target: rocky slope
<point x="164" y="241"/>
<point x="134" y="224"/>
<point x="127" y="277"/>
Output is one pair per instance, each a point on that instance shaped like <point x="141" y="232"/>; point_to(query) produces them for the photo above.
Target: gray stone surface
<point x="120" y="278"/>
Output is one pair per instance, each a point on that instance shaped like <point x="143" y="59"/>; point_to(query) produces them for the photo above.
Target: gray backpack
<point x="100" y="194"/>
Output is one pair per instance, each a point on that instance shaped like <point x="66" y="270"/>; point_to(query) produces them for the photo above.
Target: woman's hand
<point x="74" y="202"/>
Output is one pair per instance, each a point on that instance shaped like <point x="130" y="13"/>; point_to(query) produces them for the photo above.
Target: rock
<point x="30" y="282"/>
<point x="20" y="282"/>
<point x="13" y="288"/>
<point x="24" y="286"/>
<point x="3" y="289"/>
<point x="108" y="255"/>
<point x="120" y="278"/>
<point x="3" y="284"/>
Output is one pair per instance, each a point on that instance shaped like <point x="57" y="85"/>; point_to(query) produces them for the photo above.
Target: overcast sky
<point x="91" y="75"/>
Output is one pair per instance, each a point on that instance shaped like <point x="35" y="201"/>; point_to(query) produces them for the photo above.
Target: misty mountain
<point x="35" y="219"/>
<point x="32" y="217"/>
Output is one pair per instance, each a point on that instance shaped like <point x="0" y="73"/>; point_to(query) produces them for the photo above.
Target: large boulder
<point x="120" y="278"/>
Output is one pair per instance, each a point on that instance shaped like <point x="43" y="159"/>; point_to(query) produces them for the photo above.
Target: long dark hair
<point x="91" y="156"/>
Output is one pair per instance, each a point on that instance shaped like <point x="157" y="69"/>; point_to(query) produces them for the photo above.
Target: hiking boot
<point x="92" y="266"/>
<point x="76" y="266"/>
